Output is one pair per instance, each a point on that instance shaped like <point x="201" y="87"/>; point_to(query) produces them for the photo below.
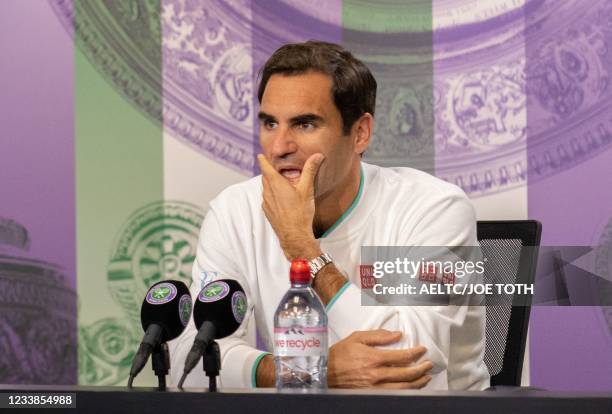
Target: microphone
<point x="218" y="312"/>
<point x="164" y="314"/>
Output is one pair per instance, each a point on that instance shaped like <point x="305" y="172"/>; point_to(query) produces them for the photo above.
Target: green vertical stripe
<point x="388" y="17"/>
<point x="394" y="38"/>
<point x="119" y="169"/>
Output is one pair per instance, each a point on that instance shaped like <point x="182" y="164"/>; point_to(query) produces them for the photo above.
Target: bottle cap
<point x="300" y="271"/>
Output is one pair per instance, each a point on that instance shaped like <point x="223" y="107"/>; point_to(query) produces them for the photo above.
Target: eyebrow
<point x="262" y="116"/>
<point x="314" y="118"/>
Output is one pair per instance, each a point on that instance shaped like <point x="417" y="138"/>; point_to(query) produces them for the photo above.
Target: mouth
<point x="291" y="174"/>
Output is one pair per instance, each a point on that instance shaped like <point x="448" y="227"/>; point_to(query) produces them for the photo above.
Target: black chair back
<point x="507" y="262"/>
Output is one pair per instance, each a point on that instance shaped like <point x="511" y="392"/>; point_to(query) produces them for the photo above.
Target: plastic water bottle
<point x="300" y="334"/>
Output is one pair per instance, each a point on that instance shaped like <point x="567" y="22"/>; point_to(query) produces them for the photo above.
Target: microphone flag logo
<point x="214" y="291"/>
<point x="161" y="293"/>
<point x="185" y="308"/>
<point x="239" y="306"/>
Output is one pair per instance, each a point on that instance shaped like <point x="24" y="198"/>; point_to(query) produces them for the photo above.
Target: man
<point x="316" y="200"/>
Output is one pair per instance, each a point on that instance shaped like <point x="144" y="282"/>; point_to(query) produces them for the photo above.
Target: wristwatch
<point x="319" y="263"/>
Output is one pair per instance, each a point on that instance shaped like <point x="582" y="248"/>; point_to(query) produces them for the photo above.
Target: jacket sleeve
<point x="239" y="357"/>
<point x="453" y="335"/>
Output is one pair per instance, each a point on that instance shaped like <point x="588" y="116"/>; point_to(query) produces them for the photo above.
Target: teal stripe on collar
<point x="351" y="208"/>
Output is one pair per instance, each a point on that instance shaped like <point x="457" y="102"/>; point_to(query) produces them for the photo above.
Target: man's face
<point x="298" y="118"/>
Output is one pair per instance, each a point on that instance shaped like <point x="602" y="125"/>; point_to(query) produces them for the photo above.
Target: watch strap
<point x="319" y="263"/>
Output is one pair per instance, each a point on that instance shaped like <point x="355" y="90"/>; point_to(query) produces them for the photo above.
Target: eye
<point x="268" y="124"/>
<point x="306" y="126"/>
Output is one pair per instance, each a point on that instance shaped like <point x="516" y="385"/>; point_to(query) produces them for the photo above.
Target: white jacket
<point x="394" y="207"/>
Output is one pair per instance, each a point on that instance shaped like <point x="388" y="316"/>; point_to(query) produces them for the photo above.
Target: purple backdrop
<point x="37" y="174"/>
<point x="37" y="118"/>
<point x="570" y="347"/>
<point x="569" y="121"/>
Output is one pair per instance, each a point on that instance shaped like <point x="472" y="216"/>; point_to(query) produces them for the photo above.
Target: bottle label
<point x="298" y="341"/>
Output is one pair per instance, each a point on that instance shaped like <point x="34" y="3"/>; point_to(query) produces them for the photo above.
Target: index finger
<point x="266" y="168"/>
<point x="403" y="374"/>
<point x="309" y="172"/>
<point x="400" y="356"/>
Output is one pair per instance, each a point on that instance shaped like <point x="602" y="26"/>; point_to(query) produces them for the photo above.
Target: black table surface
<point x="149" y="400"/>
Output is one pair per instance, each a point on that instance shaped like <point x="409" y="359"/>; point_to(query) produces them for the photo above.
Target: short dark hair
<point x="353" y="86"/>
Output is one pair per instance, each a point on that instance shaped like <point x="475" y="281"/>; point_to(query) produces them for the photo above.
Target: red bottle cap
<point x="300" y="271"/>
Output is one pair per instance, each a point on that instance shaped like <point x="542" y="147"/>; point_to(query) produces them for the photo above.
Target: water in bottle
<point x="300" y="334"/>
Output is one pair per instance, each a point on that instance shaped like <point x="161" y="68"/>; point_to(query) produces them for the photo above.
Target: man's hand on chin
<point x="290" y="210"/>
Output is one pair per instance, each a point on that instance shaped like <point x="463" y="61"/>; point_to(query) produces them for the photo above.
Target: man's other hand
<point x="355" y="362"/>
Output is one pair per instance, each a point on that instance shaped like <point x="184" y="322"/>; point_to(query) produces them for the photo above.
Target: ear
<point x="362" y="132"/>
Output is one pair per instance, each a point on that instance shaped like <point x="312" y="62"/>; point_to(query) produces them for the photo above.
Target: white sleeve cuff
<point x="239" y="366"/>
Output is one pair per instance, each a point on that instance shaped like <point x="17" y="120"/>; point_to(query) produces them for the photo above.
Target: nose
<point x="283" y="143"/>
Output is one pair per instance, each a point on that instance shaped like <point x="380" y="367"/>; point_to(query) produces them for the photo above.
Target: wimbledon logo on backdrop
<point x="157" y="242"/>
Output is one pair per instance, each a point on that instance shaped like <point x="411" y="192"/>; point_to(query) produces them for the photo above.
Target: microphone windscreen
<point x="168" y="304"/>
<point x="222" y="302"/>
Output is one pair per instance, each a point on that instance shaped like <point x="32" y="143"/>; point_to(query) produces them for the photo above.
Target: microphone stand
<point x="212" y="364"/>
<point x="160" y="359"/>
